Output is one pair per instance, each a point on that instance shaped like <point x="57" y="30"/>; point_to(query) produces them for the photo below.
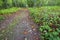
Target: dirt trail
<point x="25" y="29"/>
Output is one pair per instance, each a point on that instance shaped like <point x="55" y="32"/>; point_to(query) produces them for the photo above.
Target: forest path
<point x="24" y="28"/>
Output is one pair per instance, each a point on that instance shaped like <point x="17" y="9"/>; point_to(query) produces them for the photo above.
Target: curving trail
<point x="25" y="29"/>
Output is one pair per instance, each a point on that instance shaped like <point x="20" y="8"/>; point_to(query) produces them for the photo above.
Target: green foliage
<point x="8" y="11"/>
<point x="1" y="18"/>
<point x="48" y="18"/>
<point x="28" y="3"/>
<point x="1" y="3"/>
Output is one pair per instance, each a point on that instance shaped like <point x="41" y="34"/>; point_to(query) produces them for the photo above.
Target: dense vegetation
<point x="45" y="13"/>
<point x="28" y="3"/>
<point x="48" y="20"/>
<point x="8" y="11"/>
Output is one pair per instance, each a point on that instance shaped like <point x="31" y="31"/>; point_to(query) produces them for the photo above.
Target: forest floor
<point x="20" y="27"/>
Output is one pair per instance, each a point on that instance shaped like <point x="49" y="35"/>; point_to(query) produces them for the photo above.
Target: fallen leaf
<point x="37" y="38"/>
<point x="25" y="32"/>
<point x="33" y="26"/>
<point x="34" y="29"/>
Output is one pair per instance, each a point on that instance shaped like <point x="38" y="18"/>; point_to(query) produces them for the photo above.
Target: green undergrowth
<point x="2" y="18"/>
<point x="7" y="12"/>
<point x="48" y="20"/>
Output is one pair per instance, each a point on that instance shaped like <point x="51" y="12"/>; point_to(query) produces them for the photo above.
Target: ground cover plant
<point x="7" y="12"/>
<point x="48" y="20"/>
